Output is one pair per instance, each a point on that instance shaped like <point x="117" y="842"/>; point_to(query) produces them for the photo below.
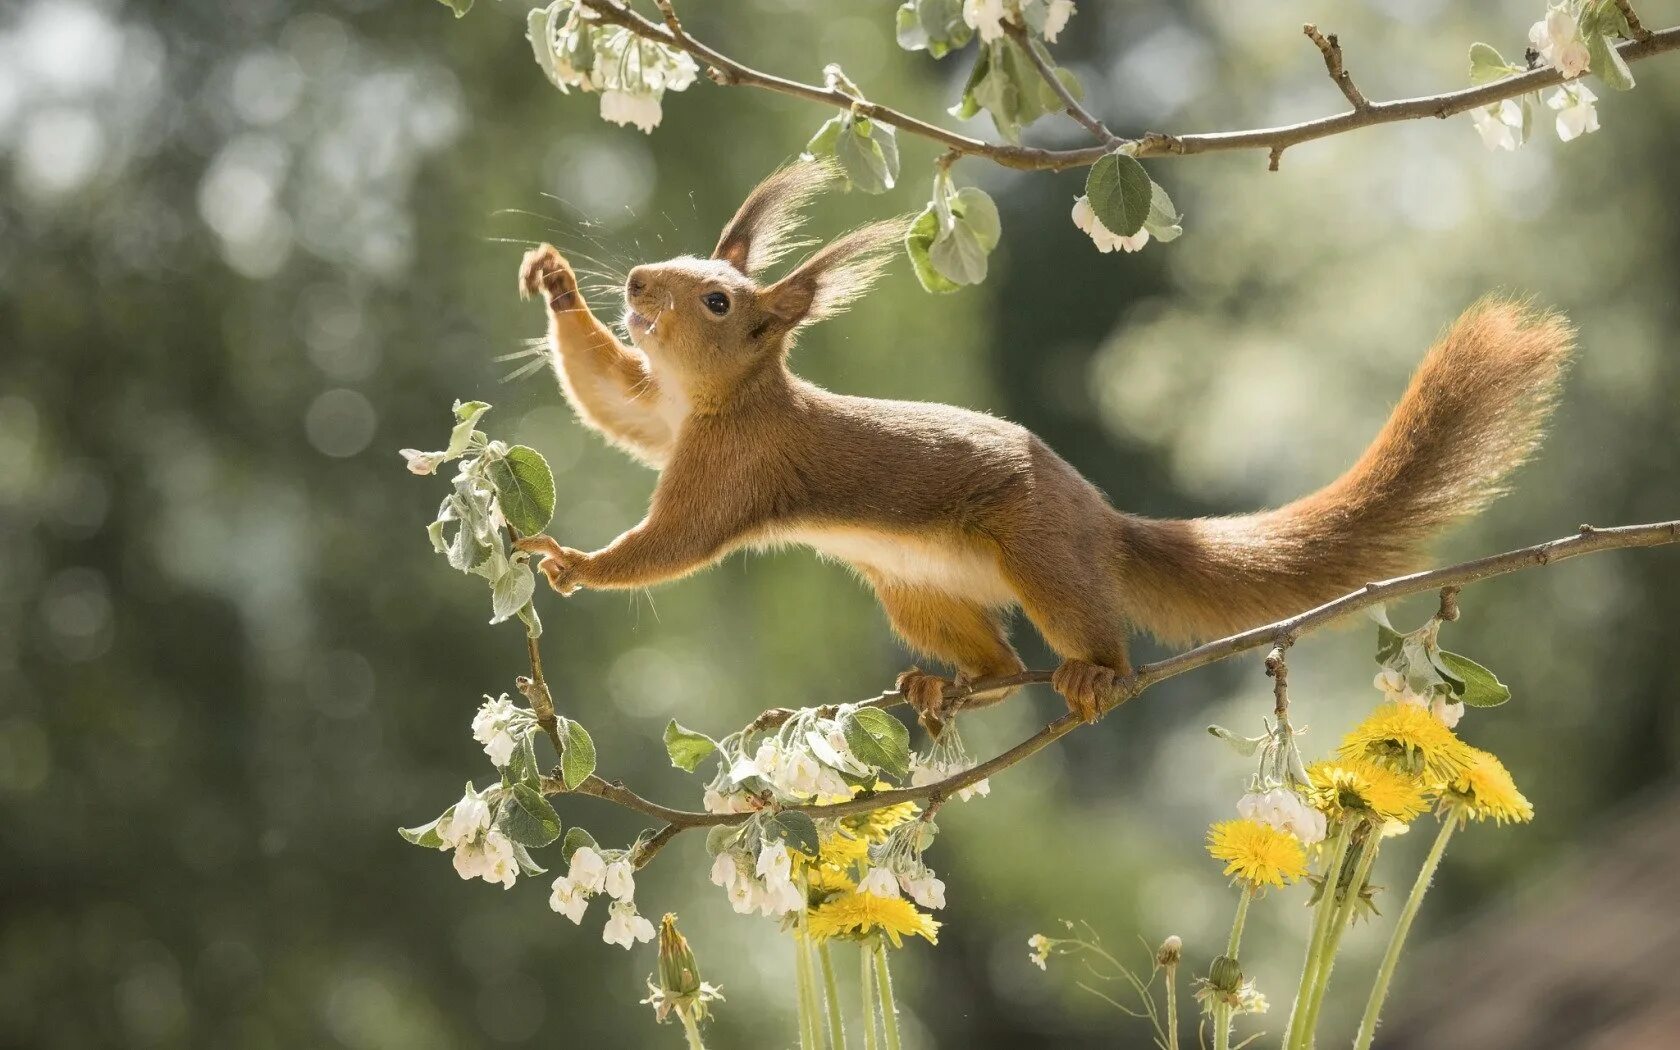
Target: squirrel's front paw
<point x="926" y="696"/>
<point x="544" y="271"/>
<point x="1085" y="686"/>
<point x="559" y="564"/>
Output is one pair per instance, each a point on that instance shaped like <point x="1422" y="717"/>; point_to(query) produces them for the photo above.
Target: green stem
<point x="1336" y="851"/>
<point x="889" y="1011"/>
<point x="807" y="1009"/>
<point x="1237" y="923"/>
<point x="691" y="1030"/>
<point x="1338" y="926"/>
<point x="1402" y="926"/>
<point x="1172" y="1007"/>
<point x="831" y="990"/>
<point x="866" y="984"/>
<point x="1221" y="1025"/>
<point x="1222" y="1015"/>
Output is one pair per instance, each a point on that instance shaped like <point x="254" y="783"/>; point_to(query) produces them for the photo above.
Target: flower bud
<point x="679" y="975"/>
<point x="1225" y="975"/>
<point x="1170" y="952"/>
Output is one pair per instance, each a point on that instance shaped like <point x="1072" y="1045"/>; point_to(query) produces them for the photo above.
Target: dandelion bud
<point x="679" y="975"/>
<point x="1225" y="975"/>
<point x="1170" y="952"/>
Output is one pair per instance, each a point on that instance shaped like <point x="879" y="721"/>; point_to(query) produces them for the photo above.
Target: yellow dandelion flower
<point x="1257" y="853"/>
<point x="825" y="880"/>
<point x="854" y="915"/>
<point x="1486" y="791"/>
<point x="1408" y="739"/>
<point x="877" y="824"/>
<point x="1365" y="789"/>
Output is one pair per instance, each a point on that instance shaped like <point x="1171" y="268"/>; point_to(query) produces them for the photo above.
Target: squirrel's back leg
<point x="954" y="631"/>
<point x="1071" y="599"/>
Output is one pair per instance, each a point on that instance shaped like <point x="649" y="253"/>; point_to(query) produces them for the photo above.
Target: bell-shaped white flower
<point x="744" y="892"/>
<point x="631" y="107"/>
<point x="498" y="864"/>
<point x="1447" y="710"/>
<point x="491" y="716"/>
<point x="568" y="899"/>
<point x="587" y="870"/>
<point x="1500" y="125"/>
<point x="1557" y="38"/>
<point x="469" y="819"/>
<point x="1056" y="17"/>
<point x="724" y="870"/>
<point x="500" y="748"/>
<point x="985" y="17"/>
<point x="880" y="882"/>
<point x="624" y="926"/>
<point x="780" y="898"/>
<point x="1576" y="114"/>
<point x="422" y="463"/>
<point x="619" y="882"/>
<point x="775" y="864"/>
<point x="924" y="888"/>
<point x="1285" y="810"/>
<point x="1106" y="240"/>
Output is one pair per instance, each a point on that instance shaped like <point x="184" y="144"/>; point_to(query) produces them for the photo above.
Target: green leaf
<point x="539" y="31"/>
<point x="576" y="839"/>
<point x="686" y="747"/>
<point x="822" y="143"/>
<point x="460" y="7"/>
<point x="527" y="866"/>
<point x="934" y="26"/>
<point x="1481" y="687"/>
<point x="1120" y="192"/>
<point x="1607" y="62"/>
<point x="511" y="591"/>
<point x="577" y="757"/>
<point x="467" y="415"/>
<point x="868" y="152"/>
<point x="797" y="830"/>
<point x="720" y="837"/>
<point x="427" y="834"/>
<point x="1390" y="644"/>
<point x="528" y="819"/>
<point x="879" y="739"/>
<point x="1164" y="223"/>
<point x="968" y="105"/>
<point x="917" y="243"/>
<point x="525" y="489"/>
<point x="1487" y="64"/>
<point x="533" y="622"/>
<point x="522" y="765"/>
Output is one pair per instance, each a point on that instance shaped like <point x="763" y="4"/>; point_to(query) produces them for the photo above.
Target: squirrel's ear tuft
<point x="761" y="231"/>
<point x="837" y="274"/>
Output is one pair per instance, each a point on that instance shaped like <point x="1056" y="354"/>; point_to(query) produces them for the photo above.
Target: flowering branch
<point x="1075" y="108"/>
<point x="726" y="71"/>
<point x="1588" y="540"/>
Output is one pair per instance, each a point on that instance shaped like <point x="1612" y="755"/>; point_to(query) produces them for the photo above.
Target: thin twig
<point x="1588" y="540"/>
<point x="725" y="70"/>
<point x="1638" y="31"/>
<point x="1331" y="49"/>
<point x="1074" y="107"/>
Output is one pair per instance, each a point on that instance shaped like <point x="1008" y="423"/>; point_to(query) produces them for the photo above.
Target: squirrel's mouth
<point x="637" y="324"/>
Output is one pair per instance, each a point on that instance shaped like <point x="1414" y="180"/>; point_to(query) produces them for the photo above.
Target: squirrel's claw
<point x="1085" y="686"/>
<point x="926" y="696"/>
<point x="544" y="271"/>
<point x="559" y="564"/>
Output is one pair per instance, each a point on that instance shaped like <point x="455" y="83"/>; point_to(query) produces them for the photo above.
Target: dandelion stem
<point x="866" y="983"/>
<point x="889" y="1011"/>
<point x="1237" y="924"/>
<point x="1338" y="926"/>
<point x="1172" y="1007"/>
<point x="1402" y="926"/>
<point x="691" y="1030"/>
<point x="831" y="995"/>
<point x="1336" y="852"/>
<point x="808" y="1029"/>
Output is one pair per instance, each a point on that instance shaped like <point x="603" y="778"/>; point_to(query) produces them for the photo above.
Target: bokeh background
<point x="249" y="250"/>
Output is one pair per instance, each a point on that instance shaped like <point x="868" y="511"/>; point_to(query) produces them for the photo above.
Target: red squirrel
<point x="955" y="517"/>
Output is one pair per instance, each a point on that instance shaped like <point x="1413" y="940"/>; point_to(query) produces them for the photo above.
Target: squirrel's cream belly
<point x="966" y="570"/>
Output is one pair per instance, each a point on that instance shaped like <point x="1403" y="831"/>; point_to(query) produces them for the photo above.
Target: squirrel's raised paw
<point x="545" y="272"/>
<point x="926" y="696"/>
<point x="559" y="564"/>
<point x="1085" y="686"/>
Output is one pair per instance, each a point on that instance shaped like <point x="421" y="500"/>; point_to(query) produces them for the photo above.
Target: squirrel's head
<point x="709" y="325"/>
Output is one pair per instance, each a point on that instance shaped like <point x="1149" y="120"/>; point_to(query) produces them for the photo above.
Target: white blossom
<point x="500" y="748"/>
<point x="568" y="899"/>
<point x="1040" y="946"/>
<point x="619" y="882"/>
<point x="1500" y="125"/>
<point x="715" y="801"/>
<point x="879" y="882"/>
<point x="800" y="774"/>
<point x="1576" y="115"/>
<point x="1447" y="710"/>
<point x="490" y="859"/>
<point x="743" y="894"/>
<point x="587" y="870"/>
<point x="780" y="898"/>
<point x="924" y="888"/>
<point x="631" y="107"/>
<point x="1557" y="38"/>
<point x="471" y="818"/>
<point x="1285" y="810"/>
<point x="724" y="870"/>
<point x="493" y="727"/>
<point x="1056" y="18"/>
<point x="624" y="926"/>
<point x="775" y="864"/>
<point x="925" y="771"/>
<point x="422" y="463"/>
<point x="1106" y="240"/>
<point x="985" y="16"/>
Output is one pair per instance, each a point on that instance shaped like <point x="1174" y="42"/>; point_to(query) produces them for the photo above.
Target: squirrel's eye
<point x="717" y="303"/>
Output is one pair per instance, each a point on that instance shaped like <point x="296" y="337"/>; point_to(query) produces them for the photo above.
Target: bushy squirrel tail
<point x="1473" y="413"/>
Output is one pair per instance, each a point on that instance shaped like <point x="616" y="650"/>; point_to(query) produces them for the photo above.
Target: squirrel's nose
<point x="635" y="285"/>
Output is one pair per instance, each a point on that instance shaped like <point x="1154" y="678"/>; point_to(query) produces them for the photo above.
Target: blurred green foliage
<point x="249" y="250"/>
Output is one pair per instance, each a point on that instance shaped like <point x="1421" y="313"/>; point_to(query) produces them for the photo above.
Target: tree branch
<point x="725" y="70"/>
<point x="1074" y="107"/>
<point x="1280" y="635"/>
<point x="1638" y="31"/>
<point x="1331" y="49"/>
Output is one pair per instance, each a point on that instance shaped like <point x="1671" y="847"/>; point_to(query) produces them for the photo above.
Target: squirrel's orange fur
<point x="953" y="516"/>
